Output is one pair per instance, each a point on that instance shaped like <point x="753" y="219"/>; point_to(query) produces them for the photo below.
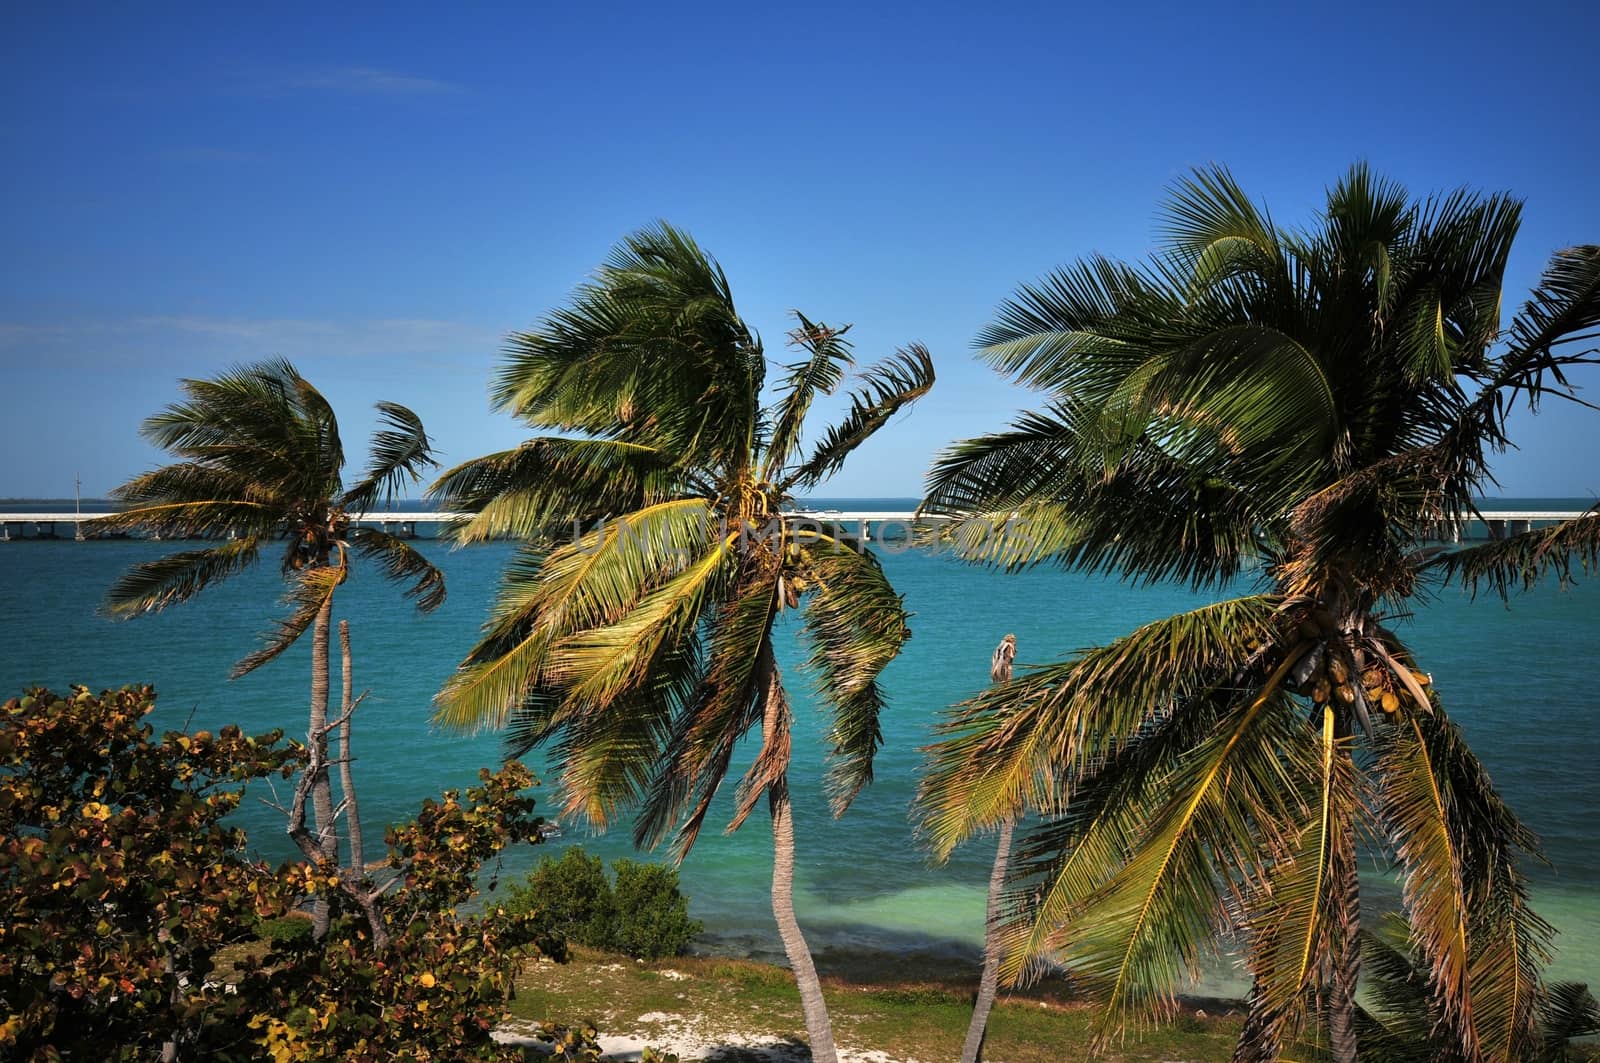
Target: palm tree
<point x="1301" y="408"/>
<point x="1400" y="1020"/>
<point x="1001" y="663"/>
<point x="262" y="461"/>
<point x="634" y="632"/>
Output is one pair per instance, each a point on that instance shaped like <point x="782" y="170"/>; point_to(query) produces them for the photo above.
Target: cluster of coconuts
<point x="307" y="550"/>
<point x="1333" y="672"/>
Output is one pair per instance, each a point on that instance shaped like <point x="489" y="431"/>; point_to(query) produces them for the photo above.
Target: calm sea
<point x="1520" y="681"/>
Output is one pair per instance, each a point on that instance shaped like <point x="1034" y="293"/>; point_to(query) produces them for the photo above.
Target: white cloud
<point x="365" y="81"/>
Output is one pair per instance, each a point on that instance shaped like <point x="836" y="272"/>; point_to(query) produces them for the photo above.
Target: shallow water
<point x="1519" y="680"/>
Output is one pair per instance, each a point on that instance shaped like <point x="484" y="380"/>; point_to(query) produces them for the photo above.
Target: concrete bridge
<point x="868" y="524"/>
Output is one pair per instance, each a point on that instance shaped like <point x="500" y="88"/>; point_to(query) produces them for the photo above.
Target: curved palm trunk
<point x="1345" y="912"/>
<point x="819" y="1029"/>
<point x="347" y="782"/>
<point x="321" y="789"/>
<point x="989" y="983"/>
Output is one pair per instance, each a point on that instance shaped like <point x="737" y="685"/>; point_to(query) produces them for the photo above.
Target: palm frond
<point x="819" y="374"/>
<point x="1569" y="1012"/>
<point x="1214" y="226"/>
<point x="1521" y="562"/>
<point x="308" y="593"/>
<point x="886" y="388"/>
<point x="1465" y="895"/>
<point x="1069" y="487"/>
<point x="1048" y="331"/>
<point x="1005" y="748"/>
<point x="401" y="452"/>
<point x="597" y="664"/>
<point x="606" y="755"/>
<point x="1143" y="906"/>
<point x="651" y="352"/>
<point x="550" y="484"/>
<point x="856" y="625"/>
<point x="402" y="562"/>
<point x="201" y="518"/>
<point x="547" y="595"/>
<point x="1292" y="915"/>
<point x="1564" y="308"/>
<point x="151" y="586"/>
<point x="729" y="705"/>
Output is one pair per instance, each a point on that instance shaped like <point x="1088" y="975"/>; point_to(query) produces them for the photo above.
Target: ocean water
<point x="1520" y="681"/>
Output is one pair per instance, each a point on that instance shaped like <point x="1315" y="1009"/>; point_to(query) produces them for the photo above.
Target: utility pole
<point x="77" y="506"/>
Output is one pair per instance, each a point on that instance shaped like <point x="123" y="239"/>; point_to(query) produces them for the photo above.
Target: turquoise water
<point x="1519" y="680"/>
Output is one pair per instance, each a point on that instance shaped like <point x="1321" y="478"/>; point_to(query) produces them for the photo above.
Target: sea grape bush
<point x="439" y="988"/>
<point x="118" y="877"/>
<point x="120" y="882"/>
<point x="644" y="914"/>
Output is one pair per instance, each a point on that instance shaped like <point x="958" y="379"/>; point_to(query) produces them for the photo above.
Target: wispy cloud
<point x="242" y="337"/>
<point x="364" y="81"/>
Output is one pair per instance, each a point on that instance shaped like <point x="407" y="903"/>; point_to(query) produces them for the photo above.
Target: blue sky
<point x="381" y="194"/>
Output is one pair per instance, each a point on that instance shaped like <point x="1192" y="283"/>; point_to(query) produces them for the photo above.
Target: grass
<point x="724" y="1002"/>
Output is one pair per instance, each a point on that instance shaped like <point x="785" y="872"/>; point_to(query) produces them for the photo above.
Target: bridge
<point x="869" y="524"/>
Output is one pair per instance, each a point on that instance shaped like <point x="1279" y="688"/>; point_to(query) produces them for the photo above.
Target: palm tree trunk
<point x="347" y="782"/>
<point x="819" y="1029"/>
<point x="1346" y="915"/>
<point x="321" y="789"/>
<point x="989" y="983"/>
<point x="972" y="1050"/>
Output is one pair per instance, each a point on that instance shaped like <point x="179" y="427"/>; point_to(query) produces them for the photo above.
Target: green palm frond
<point x="819" y="374"/>
<point x="1070" y="487"/>
<point x="550" y="484"/>
<point x="309" y="592"/>
<point x="1212" y="223"/>
<point x="1053" y="871"/>
<point x="599" y="663"/>
<point x="1563" y="312"/>
<point x="1291" y="916"/>
<point x="1045" y="333"/>
<point x="1143" y="909"/>
<point x="402" y="562"/>
<point x="1004" y="749"/>
<point x="652" y="352"/>
<point x="856" y="625"/>
<point x="151" y="586"/>
<point x="886" y="388"/>
<point x="1521" y="562"/>
<point x="188" y="520"/>
<point x="606" y="755"/>
<point x="319" y="443"/>
<point x="192" y="482"/>
<point x="548" y="595"/>
<point x="704" y="737"/>
<point x="400" y="453"/>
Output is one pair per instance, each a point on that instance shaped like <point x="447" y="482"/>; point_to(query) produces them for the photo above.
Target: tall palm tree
<point x="261" y="460"/>
<point x="634" y="634"/>
<point x="1303" y="408"/>
<point x="1001" y="663"/>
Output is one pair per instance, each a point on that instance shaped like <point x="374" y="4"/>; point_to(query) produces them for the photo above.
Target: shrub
<point x="118" y="876"/>
<point x="574" y="897"/>
<point x="643" y="915"/>
<point x="119" y="880"/>
<point x="289" y="931"/>
<point x="652" y="915"/>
